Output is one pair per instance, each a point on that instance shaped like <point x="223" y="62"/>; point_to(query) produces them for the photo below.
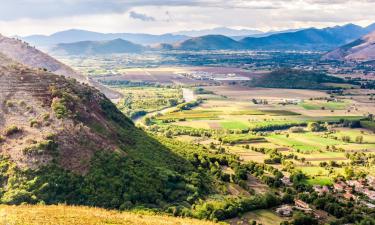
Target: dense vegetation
<point x="295" y="79"/>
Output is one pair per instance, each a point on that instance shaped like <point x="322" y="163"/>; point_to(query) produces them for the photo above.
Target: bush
<point x="12" y="130"/>
<point x="59" y="107"/>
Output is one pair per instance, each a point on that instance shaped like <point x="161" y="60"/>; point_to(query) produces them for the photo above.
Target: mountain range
<point x="311" y="39"/>
<point x="75" y="35"/>
<point x="219" y="31"/>
<point x="307" y="39"/>
<point x="362" y="49"/>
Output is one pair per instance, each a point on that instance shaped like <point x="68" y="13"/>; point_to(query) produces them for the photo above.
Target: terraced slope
<point x="62" y="141"/>
<point x="23" y="53"/>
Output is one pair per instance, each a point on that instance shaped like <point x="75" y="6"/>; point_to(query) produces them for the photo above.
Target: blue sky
<point x="23" y="17"/>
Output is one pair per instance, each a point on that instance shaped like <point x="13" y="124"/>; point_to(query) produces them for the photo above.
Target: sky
<point x="26" y="17"/>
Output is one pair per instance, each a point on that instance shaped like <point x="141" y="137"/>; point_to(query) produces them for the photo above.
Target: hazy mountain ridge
<point x="98" y="47"/>
<point x="75" y="35"/>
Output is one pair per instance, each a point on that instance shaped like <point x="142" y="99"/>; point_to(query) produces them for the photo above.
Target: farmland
<point x="250" y="122"/>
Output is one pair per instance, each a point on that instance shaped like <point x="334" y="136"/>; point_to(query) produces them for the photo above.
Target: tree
<point x="302" y="219"/>
<point x="359" y="139"/>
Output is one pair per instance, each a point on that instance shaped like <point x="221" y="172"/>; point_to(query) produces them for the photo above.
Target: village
<point x="361" y="191"/>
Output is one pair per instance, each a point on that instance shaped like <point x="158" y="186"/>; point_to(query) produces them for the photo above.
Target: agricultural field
<point x="248" y="122"/>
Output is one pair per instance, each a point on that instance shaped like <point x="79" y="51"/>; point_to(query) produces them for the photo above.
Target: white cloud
<point x="45" y="16"/>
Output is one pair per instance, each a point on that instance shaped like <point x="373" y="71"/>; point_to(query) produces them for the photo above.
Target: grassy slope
<point x="56" y="215"/>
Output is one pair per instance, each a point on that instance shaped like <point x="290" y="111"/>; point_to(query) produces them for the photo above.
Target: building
<point x="370" y="194"/>
<point x="301" y="205"/>
<point x="339" y="187"/>
<point x="349" y="196"/>
<point x="321" y="190"/>
<point x="285" y="210"/>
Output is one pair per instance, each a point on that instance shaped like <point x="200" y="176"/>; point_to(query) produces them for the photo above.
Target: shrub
<point x="59" y="107"/>
<point x="2" y="138"/>
<point x="34" y="123"/>
<point x="12" y="130"/>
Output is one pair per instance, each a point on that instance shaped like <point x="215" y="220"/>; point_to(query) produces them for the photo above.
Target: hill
<point x="74" y="35"/>
<point x="308" y="39"/>
<point x="59" y="215"/>
<point x="209" y="42"/>
<point x="65" y="142"/>
<point x="30" y="56"/>
<point x="294" y="79"/>
<point x="23" y="53"/>
<point x="98" y="47"/>
<point x="362" y="49"/>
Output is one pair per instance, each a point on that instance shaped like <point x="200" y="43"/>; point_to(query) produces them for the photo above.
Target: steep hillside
<point x="209" y="42"/>
<point x="59" y="215"/>
<point x="25" y="54"/>
<point x="308" y="39"/>
<point x="362" y="49"/>
<point x="62" y="141"/>
<point x="30" y="56"/>
<point x="98" y="47"/>
<point x="294" y="79"/>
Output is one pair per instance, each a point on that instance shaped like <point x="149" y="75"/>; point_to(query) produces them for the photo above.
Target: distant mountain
<point x="265" y="34"/>
<point x="98" y="47"/>
<point x="362" y="49"/>
<point x="219" y="31"/>
<point x="308" y="39"/>
<point x="75" y="35"/>
<point x="209" y="42"/>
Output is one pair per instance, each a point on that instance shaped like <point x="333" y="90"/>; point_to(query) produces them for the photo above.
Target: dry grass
<point x="68" y="215"/>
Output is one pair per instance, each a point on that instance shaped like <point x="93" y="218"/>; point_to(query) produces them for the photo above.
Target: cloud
<point x="140" y="16"/>
<point x="24" y="17"/>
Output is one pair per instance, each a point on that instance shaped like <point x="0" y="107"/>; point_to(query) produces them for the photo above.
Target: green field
<point x="318" y="105"/>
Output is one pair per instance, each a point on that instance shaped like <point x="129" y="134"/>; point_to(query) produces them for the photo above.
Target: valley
<point x="193" y="122"/>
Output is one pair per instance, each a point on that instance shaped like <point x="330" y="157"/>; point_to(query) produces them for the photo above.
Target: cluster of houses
<point x="349" y="190"/>
<point x="362" y="186"/>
